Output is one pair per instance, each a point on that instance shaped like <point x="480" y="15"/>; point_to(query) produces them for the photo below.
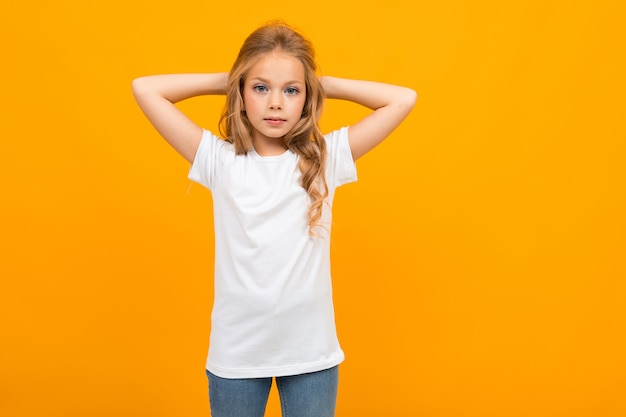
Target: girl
<point x="272" y="178"/>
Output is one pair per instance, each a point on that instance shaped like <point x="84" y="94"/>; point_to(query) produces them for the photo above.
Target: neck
<point x="269" y="147"/>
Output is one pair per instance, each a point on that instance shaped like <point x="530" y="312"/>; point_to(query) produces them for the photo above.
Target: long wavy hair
<point x="305" y="139"/>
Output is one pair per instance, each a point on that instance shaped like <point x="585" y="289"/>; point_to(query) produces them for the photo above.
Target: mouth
<point x="274" y="120"/>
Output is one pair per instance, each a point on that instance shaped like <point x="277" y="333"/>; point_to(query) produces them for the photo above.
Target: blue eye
<point x="291" y="91"/>
<point x="260" y="88"/>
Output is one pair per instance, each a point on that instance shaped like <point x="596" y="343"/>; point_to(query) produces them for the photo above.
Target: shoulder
<point x="337" y="134"/>
<point x="212" y="153"/>
<point x="213" y="146"/>
<point x="211" y="139"/>
<point x="340" y="166"/>
<point x="337" y="139"/>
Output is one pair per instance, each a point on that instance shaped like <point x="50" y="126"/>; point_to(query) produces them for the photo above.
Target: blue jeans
<point x="306" y="395"/>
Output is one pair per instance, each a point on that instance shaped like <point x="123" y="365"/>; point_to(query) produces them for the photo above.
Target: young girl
<point x="272" y="178"/>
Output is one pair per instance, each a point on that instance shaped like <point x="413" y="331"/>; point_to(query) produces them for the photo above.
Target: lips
<point x="274" y="121"/>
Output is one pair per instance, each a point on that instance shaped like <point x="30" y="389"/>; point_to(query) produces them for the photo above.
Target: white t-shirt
<point x="273" y="308"/>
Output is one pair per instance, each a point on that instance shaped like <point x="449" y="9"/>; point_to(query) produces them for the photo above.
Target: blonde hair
<point x="305" y="139"/>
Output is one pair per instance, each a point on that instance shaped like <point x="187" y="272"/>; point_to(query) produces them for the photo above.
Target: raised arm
<point x="156" y="96"/>
<point x="391" y="105"/>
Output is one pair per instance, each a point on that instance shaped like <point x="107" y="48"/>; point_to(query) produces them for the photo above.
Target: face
<point x="274" y="94"/>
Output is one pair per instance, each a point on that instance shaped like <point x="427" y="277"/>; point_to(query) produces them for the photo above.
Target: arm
<point x="156" y="96"/>
<point x="391" y="105"/>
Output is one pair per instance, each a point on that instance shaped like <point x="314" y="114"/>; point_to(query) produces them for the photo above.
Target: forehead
<point x="277" y="66"/>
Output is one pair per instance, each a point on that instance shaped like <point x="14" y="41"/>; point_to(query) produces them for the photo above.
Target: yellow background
<point x="479" y="262"/>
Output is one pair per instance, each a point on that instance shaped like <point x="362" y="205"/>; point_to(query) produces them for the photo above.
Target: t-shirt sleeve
<point x="204" y="165"/>
<point x="340" y="167"/>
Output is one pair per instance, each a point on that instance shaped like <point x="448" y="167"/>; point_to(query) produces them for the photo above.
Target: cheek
<point x="300" y="102"/>
<point x="249" y="103"/>
<point x="302" y="108"/>
<point x="247" y="99"/>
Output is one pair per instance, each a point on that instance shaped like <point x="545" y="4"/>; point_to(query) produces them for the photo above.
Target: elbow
<point x="410" y="97"/>
<point x="405" y="101"/>
<point x="143" y="86"/>
<point x="138" y="85"/>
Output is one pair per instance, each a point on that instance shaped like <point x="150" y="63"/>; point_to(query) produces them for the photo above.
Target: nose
<point x="276" y="101"/>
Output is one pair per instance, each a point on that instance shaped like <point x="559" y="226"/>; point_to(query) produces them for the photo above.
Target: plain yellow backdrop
<point x="479" y="262"/>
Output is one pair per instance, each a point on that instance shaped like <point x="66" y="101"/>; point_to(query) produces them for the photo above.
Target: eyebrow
<point x="263" y="80"/>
